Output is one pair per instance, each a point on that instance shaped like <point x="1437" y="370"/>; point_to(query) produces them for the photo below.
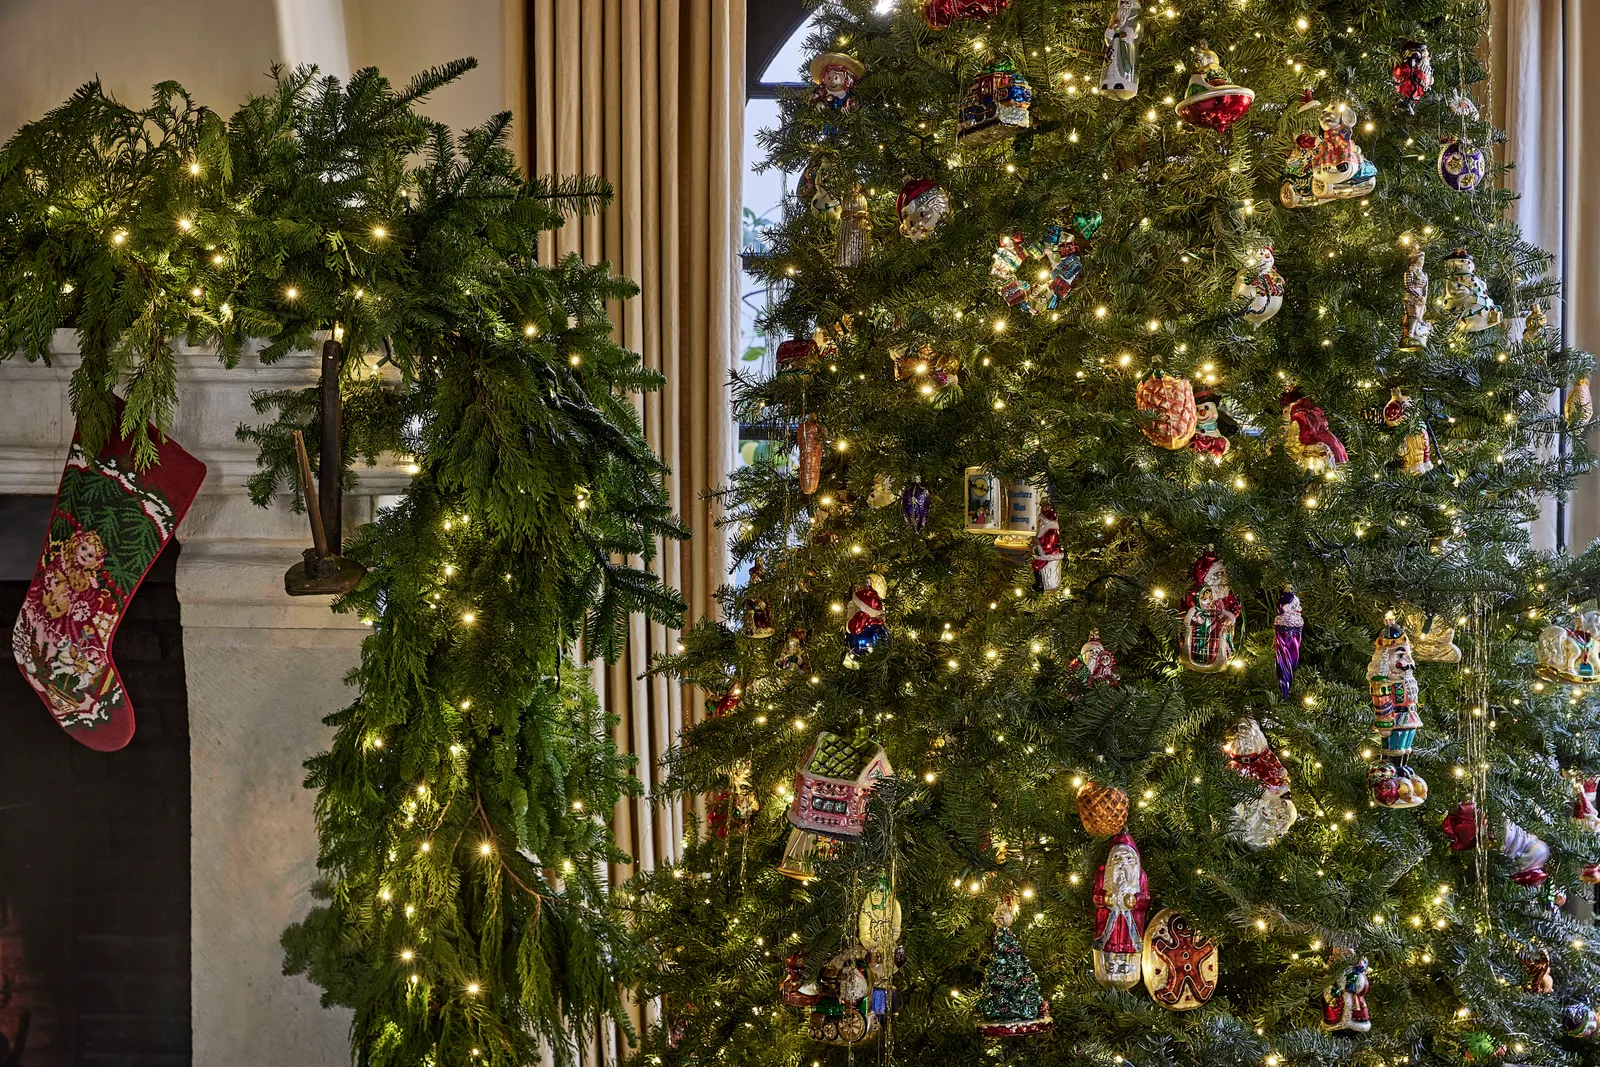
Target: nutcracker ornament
<point x="1211" y="100"/>
<point x="1467" y="295"/>
<point x="1339" y="171"/>
<point x="1528" y="852"/>
<point x="1208" y="439"/>
<point x="854" y="242"/>
<point x="1460" y="164"/>
<point x="916" y="504"/>
<point x="995" y="106"/>
<point x="757" y="613"/>
<point x="1121" y="901"/>
<point x="1258" y="288"/>
<point x="1180" y="963"/>
<point x="835" y="75"/>
<point x="939" y="14"/>
<point x="1344" y="1003"/>
<point x="1413" y="74"/>
<point x="1308" y="438"/>
<point x="1094" y="665"/>
<point x="1414" y="334"/>
<point x="1395" y="715"/>
<point x="815" y="190"/>
<point x="1211" y="613"/>
<point x="1567" y="651"/>
<point x="1010" y="1004"/>
<point x="1288" y="627"/>
<point x="865" y="631"/>
<point x="1103" y="809"/>
<point x="1047" y="552"/>
<point x="1416" y="448"/>
<point x="922" y="205"/>
<point x="809" y="439"/>
<point x="1166" y="407"/>
<point x="1123" y="35"/>
<point x="1585" y="815"/>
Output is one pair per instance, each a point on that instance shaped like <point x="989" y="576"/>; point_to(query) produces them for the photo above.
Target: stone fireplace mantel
<point x="262" y="670"/>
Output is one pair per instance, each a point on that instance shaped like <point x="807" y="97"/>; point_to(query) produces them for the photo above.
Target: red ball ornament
<point x="1461" y="826"/>
<point x="1211" y="100"/>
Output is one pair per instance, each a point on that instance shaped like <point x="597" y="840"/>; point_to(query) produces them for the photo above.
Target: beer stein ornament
<point x="1166" y="404"/>
<point x="922" y="205"/>
<point x="1344" y="1003"/>
<point x="1460" y="164"/>
<point x="1567" y="651"/>
<point x="995" y="106"/>
<point x="1123" y="35"/>
<point x="1414" y="334"/>
<point x="835" y="75"/>
<point x="1339" y="171"/>
<point x="1121" y="901"/>
<point x="1307" y="435"/>
<point x="1258" y="289"/>
<point x="1211" y="612"/>
<point x="1467" y="295"/>
<point x="1413" y="74"/>
<point x="1180" y="963"/>
<point x="1210" y="99"/>
<point x="1047" y="552"/>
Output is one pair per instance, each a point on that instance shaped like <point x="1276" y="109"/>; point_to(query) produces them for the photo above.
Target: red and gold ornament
<point x="1166" y="404"/>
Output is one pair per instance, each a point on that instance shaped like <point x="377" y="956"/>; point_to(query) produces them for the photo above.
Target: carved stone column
<point x="262" y="670"/>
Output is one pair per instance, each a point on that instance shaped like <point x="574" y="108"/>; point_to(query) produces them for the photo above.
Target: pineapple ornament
<point x="1010" y="1004"/>
<point x="1166" y="404"/>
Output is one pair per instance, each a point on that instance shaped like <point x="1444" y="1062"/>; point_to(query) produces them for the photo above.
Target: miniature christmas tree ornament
<point x="1010" y="1004"/>
<point x="865" y="631"/>
<point x="1344" y="1003"/>
<point x="1308" y="437"/>
<point x="995" y="106"/>
<point x="922" y="205"/>
<point x="1047" y="552"/>
<point x="855" y="231"/>
<point x="1288" y="627"/>
<point x="1258" y="289"/>
<point x="1567" y="651"/>
<point x="1413" y="74"/>
<point x="1460" y="164"/>
<point x="1211" y="100"/>
<point x="1467" y="295"/>
<point x="1211" y="613"/>
<point x="1121" y="900"/>
<point x="1180" y="963"/>
<point x="1166" y="406"/>
<point x="1123" y="36"/>
<point x="1414" y="334"/>
<point x="1396" y="717"/>
<point x="1339" y="171"/>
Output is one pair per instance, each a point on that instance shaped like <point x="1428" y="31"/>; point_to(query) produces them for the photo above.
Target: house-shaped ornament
<point x="833" y="782"/>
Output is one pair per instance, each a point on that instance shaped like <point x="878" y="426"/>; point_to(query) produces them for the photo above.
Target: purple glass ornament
<point x="1460" y="165"/>
<point x="917" y="503"/>
<point x="1287" y="629"/>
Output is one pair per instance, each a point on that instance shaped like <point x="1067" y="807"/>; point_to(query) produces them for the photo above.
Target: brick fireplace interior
<point x="94" y="847"/>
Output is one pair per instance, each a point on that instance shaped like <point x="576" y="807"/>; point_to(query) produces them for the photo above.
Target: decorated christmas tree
<point x="1165" y="525"/>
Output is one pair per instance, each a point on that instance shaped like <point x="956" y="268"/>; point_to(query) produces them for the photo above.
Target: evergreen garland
<point x="462" y="806"/>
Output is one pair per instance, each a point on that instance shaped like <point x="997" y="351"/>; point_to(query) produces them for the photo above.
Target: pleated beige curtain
<point x="1547" y="98"/>
<point x="650" y="95"/>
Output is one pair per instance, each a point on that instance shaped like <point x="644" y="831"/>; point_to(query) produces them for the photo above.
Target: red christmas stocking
<point x="109" y="524"/>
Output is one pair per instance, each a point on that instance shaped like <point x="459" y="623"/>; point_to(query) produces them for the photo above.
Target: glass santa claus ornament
<point x="1211" y="612"/>
<point x="921" y="206"/>
<point x="1413" y="74"/>
<point x="1121" y="902"/>
<point x="1211" y="100"/>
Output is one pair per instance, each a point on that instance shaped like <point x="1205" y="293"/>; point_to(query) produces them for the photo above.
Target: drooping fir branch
<point x="461" y="808"/>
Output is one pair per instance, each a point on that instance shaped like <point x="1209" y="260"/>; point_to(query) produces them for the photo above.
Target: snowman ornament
<point x="1258" y="289"/>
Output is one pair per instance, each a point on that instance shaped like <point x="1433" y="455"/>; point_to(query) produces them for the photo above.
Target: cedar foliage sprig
<point x="461" y="806"/>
